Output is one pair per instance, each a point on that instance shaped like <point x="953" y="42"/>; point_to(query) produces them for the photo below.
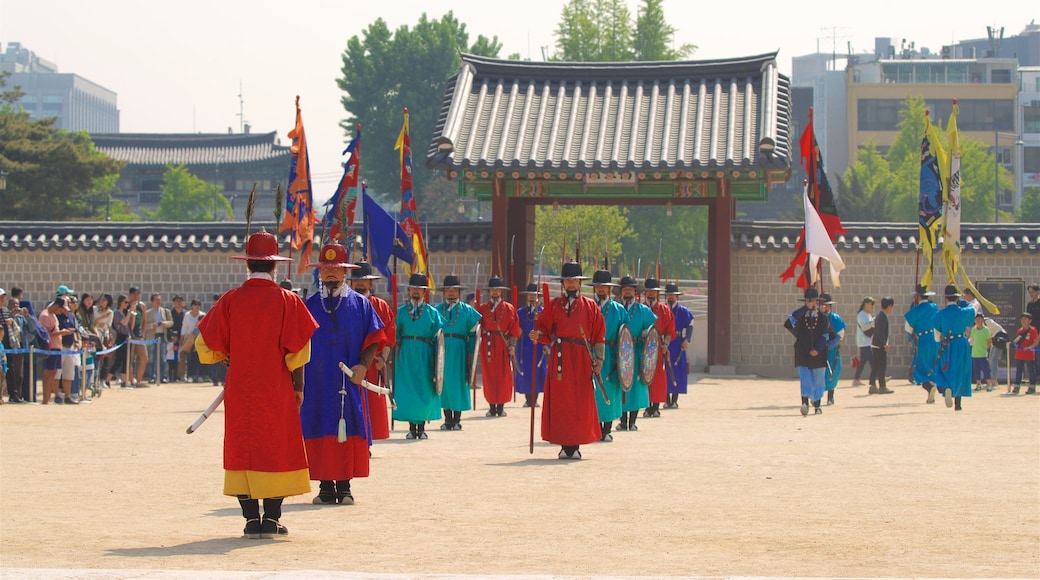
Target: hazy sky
<point x="176" y="66"/>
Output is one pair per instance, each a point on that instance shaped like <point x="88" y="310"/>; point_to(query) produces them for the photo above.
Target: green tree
<point x="679" y="240"/>
<point x="577" y="34"/>
<point x="383" y="72"/>
<point x="186" y="198"/>
<point x="654" y="36"/>
<point x="864" y="191"/>
<point x="51" y="173"/>
<point x="1029" y="213"/>
<point x="601" y="229"/>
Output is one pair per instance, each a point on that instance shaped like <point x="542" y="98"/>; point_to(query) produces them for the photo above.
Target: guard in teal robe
<point x="833" y="373"/>
<point x="953" y="375"/>
<point x="414" y="391"/>
<point x="460" y="338"/>
<point x="614" y="316"/>
<point x="920" y="323"/>
<point x="640" y="320"/>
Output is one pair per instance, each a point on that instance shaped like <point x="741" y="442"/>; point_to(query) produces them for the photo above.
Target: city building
<point x="1029" y="98"/>
<point x="233" y="161"/>
<point x="78" y="103"/>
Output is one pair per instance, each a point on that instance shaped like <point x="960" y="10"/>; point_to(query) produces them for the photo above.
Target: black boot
<point x="816" y="408"/>
<point x="656" y="410"/>
<point x="632" y="421"/>
<point x="343" y="496"/>
<point x="448" y="416"/>
<point x="830" y="397"/>
<point x="502" y="410"/>
<point x="326" y="493"/>
<point x="413" y="431"/>
<point x="421" y="431"/>
<point x="805" y="406"/>
<point x="251" y="512"/>
<point x="270" y="527"/>
<point x="623" y="423"/>
<point x="604" y="429"/>
<point x="957" y="404"/>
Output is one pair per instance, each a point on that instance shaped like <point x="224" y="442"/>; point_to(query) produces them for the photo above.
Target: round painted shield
<point x="626" y="358"/>
<point x="651" y="350"/>
<point x="438" y="371"/>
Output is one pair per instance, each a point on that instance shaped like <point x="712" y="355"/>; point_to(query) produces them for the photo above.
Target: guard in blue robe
<point x="677" y="382"/>
<point x="640" y="320"/>
<point x="953" y="375"/>
<point x="414" y="392"/>
<point x="531" y="361"/>
<point x="812" y="332"/>
<point x="460" y="338"/>
<point x="614" y="316"/>
<point x="920" y="324"/>
<point x="833" y="374"/>
<point x="349" y="332"/>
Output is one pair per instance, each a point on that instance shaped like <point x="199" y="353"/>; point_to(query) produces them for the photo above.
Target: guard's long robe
<point x="665" y="325"/>
<point x="528" y="361"/>
<point x="954" y="368"/>
<point x="640" y="319"/>
<point x="921" y="320"/>
<point x="342" y="335"/>
<point x="417" y="401"/>
<point x="833" y="373"/>
<point x="614" y="315"/>
<point x="378" y="418"/>
<point x="459" y="340"/>
<point x="497" y="323"/>
<point x="569" y="406"/>
<point x="683" y="321"/>
<point x="266" y="331"/>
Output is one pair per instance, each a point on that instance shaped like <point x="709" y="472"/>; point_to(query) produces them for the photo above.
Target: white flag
<point x="818" y="243"/>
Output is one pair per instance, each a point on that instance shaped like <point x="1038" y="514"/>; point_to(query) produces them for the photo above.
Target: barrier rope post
<point x="129" y="353"/>
<point x="32" y="371"/>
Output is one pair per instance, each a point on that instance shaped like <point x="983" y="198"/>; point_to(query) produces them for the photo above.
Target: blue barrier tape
<point x="135" y="341"/>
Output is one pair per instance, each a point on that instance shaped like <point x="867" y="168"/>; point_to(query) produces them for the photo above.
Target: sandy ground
<point x="735" y="482"/>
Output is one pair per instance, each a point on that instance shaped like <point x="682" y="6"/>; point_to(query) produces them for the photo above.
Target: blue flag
<point x="384" y="237"/>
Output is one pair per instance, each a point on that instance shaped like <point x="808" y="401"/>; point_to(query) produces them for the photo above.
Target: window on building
<point x="150" y="197"/>
<point x="151" y="185"/>
<point x="1031" y="118"/>
<point x="1031" y="163"/>
<point x="1000" y="75"/>
<point x="878" y="114"/>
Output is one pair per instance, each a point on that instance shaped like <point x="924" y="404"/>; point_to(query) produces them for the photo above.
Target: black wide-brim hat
<point x="672" y="290"/>
<point x="810" y="294"/>
<point x="628" y="281"/>
<point x="601" y="278"/>
<point x="922" y="291"/>
<point x="451" y="281"/>
<point x="826" y="298"/>
<point x="951" y="292"/>
<point x="363" y="272"/>
<point x="496" y="282"/>
<point x="531" y="289"/>
<point x="418" y="280"/>
<point x="572" y="271"/>
<point x="651" y="284"/>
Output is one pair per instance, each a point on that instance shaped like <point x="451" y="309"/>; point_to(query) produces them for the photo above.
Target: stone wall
<point x="762" y="346"/>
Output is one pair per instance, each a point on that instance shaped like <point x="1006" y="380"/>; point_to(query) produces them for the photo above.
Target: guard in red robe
<point x="263" y="333"/>
<point x="335" y="409"/>
<point x="571" y="325"/>
<point x="361" y="280"/>
<point x="499" y="331"/>
<point x="665" y="326"/>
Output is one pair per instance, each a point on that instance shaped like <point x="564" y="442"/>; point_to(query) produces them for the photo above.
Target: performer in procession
<point x="524" y="349"/>
<point x="460" y="338"/>
<point x="499" y="329"/>
<point x="640" y="320"/>
<point x="830" y="378"/>
<point x="812" y="331"/>
<point x="683" y="320"/>
<point x="614" y="316"/>
<point x="573" y="325"/>
<point x="362" y="281"/>
<point x="263" y="333"/>
<point x="349" y="332"/>
<point x="953" y="373"/>
<point x="665" y="325"/>
<point x="920" y="325"/>
<point x="417" y="326"/>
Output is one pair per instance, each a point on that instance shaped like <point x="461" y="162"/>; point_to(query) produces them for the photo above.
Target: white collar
<point x="260" y="276"/>
<point x="339" y="293"/>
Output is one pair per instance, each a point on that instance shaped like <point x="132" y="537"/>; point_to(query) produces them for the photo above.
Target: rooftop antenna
<point x="241" y="109"/>
<point x="996" y="38"/>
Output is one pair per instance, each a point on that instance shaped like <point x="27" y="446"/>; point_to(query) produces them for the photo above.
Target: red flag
<point x="299" y="200"/>
<point x="343" y="204"/>
<point x="409" y="208"/>
<point x="820" y="195"/>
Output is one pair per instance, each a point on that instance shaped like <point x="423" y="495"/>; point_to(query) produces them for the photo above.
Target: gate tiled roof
<point x="503" y="114"/>
<point x="190" y="148"/>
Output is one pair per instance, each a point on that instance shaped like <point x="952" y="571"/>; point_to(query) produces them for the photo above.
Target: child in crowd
<point x="1024" y="346"/>
<point x="980" y="340"/>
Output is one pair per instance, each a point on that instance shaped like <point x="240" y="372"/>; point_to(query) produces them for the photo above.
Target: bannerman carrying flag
<point x="299" y="203"/>
<point x="409" y="209"/>
<point x="952" y="212"/>
<point x="340" y="216"/>
<point x="929" y="201"/>
<point x="820" y="196"/>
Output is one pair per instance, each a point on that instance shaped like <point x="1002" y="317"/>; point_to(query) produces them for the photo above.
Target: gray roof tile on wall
<point x="891" y="237"/>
